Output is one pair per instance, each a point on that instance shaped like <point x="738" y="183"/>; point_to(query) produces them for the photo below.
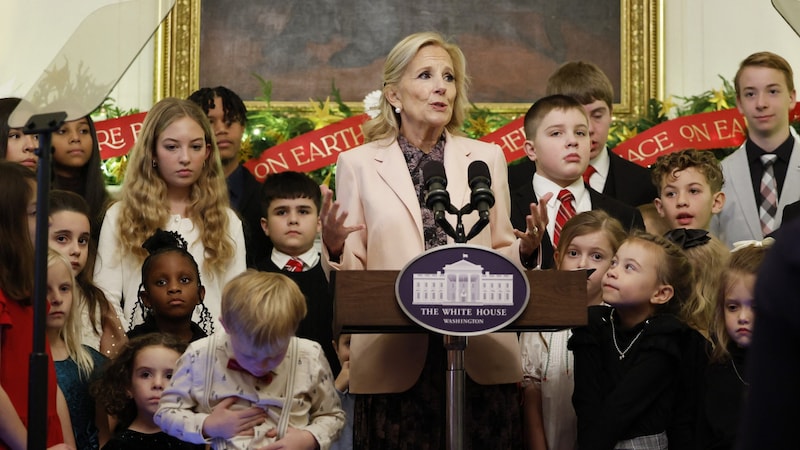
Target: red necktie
<point x="587" y="175"/>
<point x="293" y="265"/>
<point x="234" y="365"/>
<point x="565" y="211"/>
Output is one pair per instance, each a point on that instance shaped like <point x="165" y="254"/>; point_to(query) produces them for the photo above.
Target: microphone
<point x="480" y="181"/>
<point x="437" y="198"/>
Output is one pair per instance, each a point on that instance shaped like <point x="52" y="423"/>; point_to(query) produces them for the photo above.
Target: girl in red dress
<point x="17" y="225"/>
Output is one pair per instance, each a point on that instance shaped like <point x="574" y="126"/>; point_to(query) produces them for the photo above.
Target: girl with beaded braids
<point x="171" y="290"/>
<point x="638" y="366"/>
<point x="174" y="181"/>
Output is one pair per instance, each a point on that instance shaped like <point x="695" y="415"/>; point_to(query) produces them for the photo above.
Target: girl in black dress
<point x="131" y="387"/>
<point x="637" y="365"/>
<point x="726" y="382"/>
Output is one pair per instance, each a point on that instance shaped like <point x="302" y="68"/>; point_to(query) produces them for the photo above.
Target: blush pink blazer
<point x="374" y="187"/>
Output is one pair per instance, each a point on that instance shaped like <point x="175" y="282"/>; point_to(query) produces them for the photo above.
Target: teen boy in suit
<point x="764" y="95"/>
<point x="607" y="172"/>
<point x="557" y="131"/>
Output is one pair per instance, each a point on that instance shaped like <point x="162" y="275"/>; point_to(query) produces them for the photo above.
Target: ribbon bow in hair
<point x="687" y="237"/>
<point x="766" y="243"/>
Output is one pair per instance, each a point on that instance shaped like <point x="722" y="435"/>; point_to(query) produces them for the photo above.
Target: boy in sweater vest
<point x="290" y="205"/>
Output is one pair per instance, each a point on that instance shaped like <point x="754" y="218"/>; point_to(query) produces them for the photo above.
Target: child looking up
<point x="588" y="241"/>
<point x="254" y="383"/>
<point x="637" y="366"/>
<point x="290" y="204"/>
<point x="171" y="290"/>
<point x="70" y="234"/>
<point x="174" y="181"/>
<point x="689" y="184"/>
<point x="76" y="364"/>
<point x="726" y="382"/>
<point x="130" y="388"/>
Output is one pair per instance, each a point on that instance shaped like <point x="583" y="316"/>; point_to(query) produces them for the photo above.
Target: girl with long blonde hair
<point x="174" y="181"/>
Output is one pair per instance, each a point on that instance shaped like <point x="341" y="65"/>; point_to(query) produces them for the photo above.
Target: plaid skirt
<point x="650" y="442"/>
<point x="416" y="419"/>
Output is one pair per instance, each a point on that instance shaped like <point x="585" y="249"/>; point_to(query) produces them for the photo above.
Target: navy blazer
<point x="626" y="181"/>
<point x="523" y="196"/>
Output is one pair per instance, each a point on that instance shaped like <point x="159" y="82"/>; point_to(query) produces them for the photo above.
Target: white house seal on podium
<point x="462" y="290"/>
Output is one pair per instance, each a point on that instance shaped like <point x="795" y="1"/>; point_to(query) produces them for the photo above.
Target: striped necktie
<point x="565" y="211"/>
<point x="293" y="265"/>
<point x="769" y="195"/>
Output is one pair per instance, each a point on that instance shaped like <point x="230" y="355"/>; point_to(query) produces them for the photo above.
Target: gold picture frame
<point x="177" y="66"/>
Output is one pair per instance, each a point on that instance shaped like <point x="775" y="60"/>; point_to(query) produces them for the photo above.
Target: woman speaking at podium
<point x="380" y="222"/>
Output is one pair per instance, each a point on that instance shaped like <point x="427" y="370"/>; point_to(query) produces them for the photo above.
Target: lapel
<point x="743" y="191"/>
<point x="392" y="168"/>
<point x="610" y="188"/>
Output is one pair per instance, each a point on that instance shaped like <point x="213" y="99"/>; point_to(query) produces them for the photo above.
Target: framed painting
<point x="304" y="47"/>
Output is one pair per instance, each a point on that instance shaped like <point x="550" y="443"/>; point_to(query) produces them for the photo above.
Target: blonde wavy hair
<point x="710" y="262"/>
<point x="144" y="204"/>
<point x="744" y="261"/>
<point x="387" y="123"/>
<point x="71" y="332"/>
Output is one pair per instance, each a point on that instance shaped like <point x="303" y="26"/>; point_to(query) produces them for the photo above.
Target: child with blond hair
<point x="173" y="181"/>
<point x="268" y="385"/>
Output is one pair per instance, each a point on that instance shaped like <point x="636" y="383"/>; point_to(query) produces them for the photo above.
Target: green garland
<point x="270" y="126"/>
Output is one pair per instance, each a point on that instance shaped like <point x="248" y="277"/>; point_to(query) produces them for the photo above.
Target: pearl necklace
<point x="614" y="336"/>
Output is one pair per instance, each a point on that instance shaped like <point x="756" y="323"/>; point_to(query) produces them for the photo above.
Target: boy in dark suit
<point x="557" y="132"/>
<point x="228" y="117"/>
<point x="291" y="203"/>
<point x="607" y="172"/>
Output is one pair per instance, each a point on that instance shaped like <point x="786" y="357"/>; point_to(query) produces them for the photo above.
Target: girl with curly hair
<point x="174" y="181"/>
<point x="131" y="386"/>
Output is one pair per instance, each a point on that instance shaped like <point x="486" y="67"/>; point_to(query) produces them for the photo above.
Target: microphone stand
<point x="43" y="125"/>
<point x="455" y="345"/>
<point x="458" y="234"/>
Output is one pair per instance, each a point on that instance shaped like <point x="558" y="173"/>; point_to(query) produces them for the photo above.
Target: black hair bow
<point x="687" y="237"/>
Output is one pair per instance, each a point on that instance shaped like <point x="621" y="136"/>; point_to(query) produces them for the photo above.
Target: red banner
<point x="705" y="131"/>
<point x="510" y="137"/>
<point x="117" y="136"/>
<point x="711" y="130"/>
<point x="310" y="151"/>
<point x="320" y="148"/>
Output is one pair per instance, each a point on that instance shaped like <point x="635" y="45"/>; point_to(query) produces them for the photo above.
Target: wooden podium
<point x="365" y="302"/>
